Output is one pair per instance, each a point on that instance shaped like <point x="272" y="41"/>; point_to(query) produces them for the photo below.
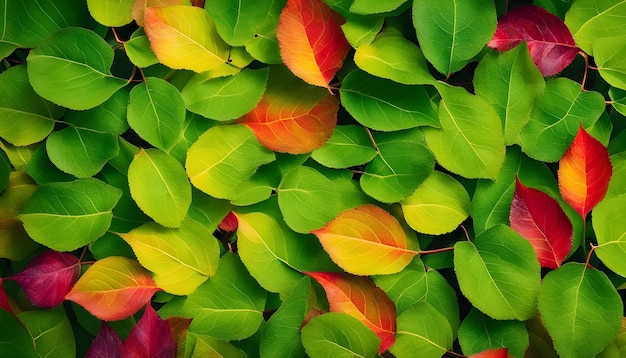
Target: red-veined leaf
<point x="48" y="278"/>
<point x="492" y="353"/>
<point x="107" y="344"/>
<point x="113" y="288"/>
<point x="4" y="300"/>
<point x="150" y="338"/>
<point x="539" y="219"/>
<point x="367" y="240"/>
<point x="584" y="173"/>
<point x="549" y="41"/>
<point x="359" y="297"/>
<point x="311" y="41"/>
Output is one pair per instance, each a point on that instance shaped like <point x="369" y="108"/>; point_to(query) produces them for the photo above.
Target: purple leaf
<point x="150" y="338"/>
<point x="107" y="344"/>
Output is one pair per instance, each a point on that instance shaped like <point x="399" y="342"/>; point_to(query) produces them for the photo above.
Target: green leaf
<point x="339" y="335"/>
<point x="557" y="7"/>
<point x="479" y="333"/>
<point x="402" y="164"/>
<point x="590" y="20"/>
<point x="199" y="346"/>
<point x="470" y="142"/>
<point x="358" y="29"/>
<point x="85" y="60"/>
<point x="14" y="242"/>
<point x="66" y="216"/>
<point x="238" y="21"/>
<point x="610" y="228"/>
<point x="264" y="45"/>
<point x="193" y="127"/>
<point x="225" y="98"/>
<point x="156" y="112"/>
<point x="556" y="116"/>
<point x="25" y="118"/>
<point x="393" y="57"/>
<point x="159" y="186"/>
<point x="223" y="157"/>
<point x="618" y="99"/>
<point x="229" y="306"/>
<point x="438" y="206"/>
<point x="348" y="146"/>
<point x="5" y="170"/>
<point x="499" y="273"/>
<point x="366" y="7"/>
<point x="452" y="32"/>
<point x="511" y="83"/>
<point x="111" y="13"/>
<point x="580" y="308"/>
<point x="608" y="53"/>
<point x="617" y="184"/>
<point x="139" y="51"/>
<point x="109" y="117"/>
<point x="15" y="340"/>
<point x="51" y="331"/>
<point x="421" y="328"/>
<point x="385" y="105"/>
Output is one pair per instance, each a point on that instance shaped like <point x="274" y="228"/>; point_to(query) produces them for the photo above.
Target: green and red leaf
<point x="492" y="353"/>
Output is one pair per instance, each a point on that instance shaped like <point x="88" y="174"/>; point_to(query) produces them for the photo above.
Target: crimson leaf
<point x="107" y="344"/>
<point x="4" y="300"/>
<point x="150" y="338"/>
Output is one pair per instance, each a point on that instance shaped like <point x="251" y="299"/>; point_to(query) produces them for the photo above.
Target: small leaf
<point x="113" y="288"/>
<point x="367" y="240"/>
<point x="150" y="338"/>
<point x="206" y="346"/>
<point x="48" y="278"/>
<point x="421" y="328"/>
<point x="549" y="41"/>
<point x="360" y="298"/>
<point x="374" y="6"/>
<point x="106" y="344"/>
<point x="479" y="333"/>
<point x="5" y="170"/>
<point x="348" y="146"/>
<point x="584" y="172"/>
<point x="541" y="221"/>
<point x="138" y="49"/>
<point x="338" y="335"/>
<point x="311" y="42"/>
<point x="111" y="13"/>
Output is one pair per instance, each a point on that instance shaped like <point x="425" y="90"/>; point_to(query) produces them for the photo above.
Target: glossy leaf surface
<point x="111" y="12"/>
<point x="589" y="20"/>
<point x="609" y="226"/>
<point x="16" y="339"/>
<point x="480" y="333"/>
<point x="150" y="337"/>
<point x="238" y="22"/>
<point x="339" y="335"/>
<point x="348" y="146"/>
<point x="423" y="329"/>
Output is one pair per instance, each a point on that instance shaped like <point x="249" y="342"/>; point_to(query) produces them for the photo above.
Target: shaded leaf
<point x="479" y="333"/>
<point x="338" y="335"/>
<point x="590" y="20"/>
<point x="14" y="241"/>
<point x="492" y="353"/>
<point x="112" y="13"/>
<point x="5" y="304"/>
<point x="138" y="49"/>
<point x="5" y="170"/>
<point x="609" y="225"/>
<point x="264" y="47"/>
<point x="107" y="344"/>
<point x="348" y="146"/>
<point x="150" y="338"/>
<point x="206" y="346"/>
<point x="16" y="340"/>
<point x="421" y="328"/>
<point x="51" y="331"/>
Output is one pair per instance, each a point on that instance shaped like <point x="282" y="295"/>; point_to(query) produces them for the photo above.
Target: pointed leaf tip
<point x="151" y="337"/>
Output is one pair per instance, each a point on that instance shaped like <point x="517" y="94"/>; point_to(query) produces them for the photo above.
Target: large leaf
<point x="112" y="13"/>
<point x="609" y="225"/>
<point x="66" y="216"/>
<point x="590" y="20"/>
<point x="338" y="335"/>
<point x="421" y="328"/>
<point x="51" y="331"/>
<point x="580" y="308"/>
<point x="85" y="59"/>
<point x="452" y="32"/>
<point x="479" y="333"/>
<point x="348" y="146"/>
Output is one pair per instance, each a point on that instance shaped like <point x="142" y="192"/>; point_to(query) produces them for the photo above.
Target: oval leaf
<point x="239" y="22"/>
<point x="51" y="331"/>
<point x="348" y="146"/>
<point x="421" y="328"/>
<point x="338" y="335"/>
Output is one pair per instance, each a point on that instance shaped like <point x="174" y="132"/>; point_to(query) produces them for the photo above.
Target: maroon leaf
<point x="48" y="278"/>
<point x="539" y="218"/>
<point x="4" y="300"/>
<point x="150" y="338"/>
<point x="229" y="223"/>
<point x="107" y="344"/>
<point x="550" y="43"/>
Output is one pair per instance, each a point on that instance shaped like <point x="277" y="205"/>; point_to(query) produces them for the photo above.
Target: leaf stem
<point x="593" y="247"/>
<point x="584" y="80"/>
<point x="436" y="251"/>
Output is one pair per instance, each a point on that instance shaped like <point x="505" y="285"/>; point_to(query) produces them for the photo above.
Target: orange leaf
<point x="292" y="117"/>
<point x="113" y="288"/>
<point x="311" y="41"/>
<point x="492" y="353"/>
<point x="366" y="240"/>
<point x="584" y="173"/>
<point x="359" y="297"/>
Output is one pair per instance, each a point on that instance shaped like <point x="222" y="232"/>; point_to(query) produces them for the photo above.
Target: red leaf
<point x="492" y="353"/>
<point x="312" y="44"/>
<point x="539" y="218"/>
<point x="179" y="327"/>
<point x="4" y="300"/>
<point x="229" y="223"/>
<point x="150" y="338"/>
<point x="549" y="41"/>
<point x="48" y="278"/>
<point x="584" y="173"/>
<point x="359" y="297"/>
<point x="107" y="344"/>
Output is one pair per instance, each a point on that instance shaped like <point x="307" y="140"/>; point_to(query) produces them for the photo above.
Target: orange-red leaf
<point x="292" y="117"/>
<point x="367" y="240"/>
<point x="540" y="220"/>
<point x="584" y="173"/>
<point x="311" y="41"/>
<point x="113" y="288"/>
<point x="492" y="353"/>
<point x="359" y="297"/>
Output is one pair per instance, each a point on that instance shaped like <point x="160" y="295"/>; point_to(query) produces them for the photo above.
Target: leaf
<point x="470" y="142"/>
<point x="607" y="53"/>
<point x="109" y="117"/>
<point x="5" y="304"/>
<point x="590" y="20"/>
<point x="48" y="278"/>
<point x="292" y="117"/>
<point x="138" y="49"/>
<point x="106" y="344"/>
<point x="492" y="353"/>
<point x="224" y="157"/>
<point x="311" y="42"/>
<point x="367" y="240"/>
<point x="111" y="13"/>
<point x="375" y="7"/>
<point x="14" y="241"/>
<point x="205" y="346"/>
<point x="66" y="216"/>
<point x="348" y="146"/>
<point x="384" y="105"/>
<point x="338" y="335"/>
<point x="192" y="44"/>
<point x="480" y="333"/>
<point x="360" y="298"/>
<point x="511" y="83"/>
<point x="421" y="328"/>
<point x="264" y="46"/>
<point x="438" y="206"/>
<point x="580" y="308"/>
<point x="238" y="22"/>
<point x="358" y="29"/>
<point x="16" y="340"/>
<point x="549" y="41"/>
<point x="5" y="170"/>
<point x="609" y="229"/>
<point x="140" y="6"/>
<point x="113" y="288"/>
<point x="150" y="338"/>
<point x="451" y="32"/>
<point x="85" y="59"/>
<point x="393" y="57"/>
<point x="499" y="273"/>
<point x="181" y="259"/>
<point x="541" y="221"/>
<point x="584" y="172"/>
<point x="51" y="331"/>
<point x="225" y="98"/>
<point x="556" y="116"/>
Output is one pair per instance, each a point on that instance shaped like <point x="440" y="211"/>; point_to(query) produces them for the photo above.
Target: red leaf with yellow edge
<point x="292" y="117"/>
<point x="113" y="288"/>
<point x="492" y="353"/>
<point x="367" y="240"/>
<point x="584" y="172"/>
<point x="150" y="338"/>
<point x="539" y="219"/>
<point x="311" y="41"/>
<point x="359" y="297"/>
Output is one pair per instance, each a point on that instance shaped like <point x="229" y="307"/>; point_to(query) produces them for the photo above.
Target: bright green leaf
<point x="109" y="117"/>
<point x="15" y="340"/>
<point x="366" y="7"/>
<point x="590" y="20"/>
<point x="617" y="185"/>
<point x="608" y="53"/>
<point x="112" y="13"/>
<point x="238" y="21"/>
<point x="51" y="331"/>
<point x="557" y="7"/>
<point x="349" y="146"/>
<point x="479" y="332"/>
<point x="139" y="51"/>
<point x="264" y="46"/>
<point x="201" y="346"/>
<point x="610" y="229"/>
<point x="14" y="242"/>
<point x="421" y="328"/>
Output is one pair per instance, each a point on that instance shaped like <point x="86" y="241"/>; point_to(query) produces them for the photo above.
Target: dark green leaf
<point x="479" y="333"/>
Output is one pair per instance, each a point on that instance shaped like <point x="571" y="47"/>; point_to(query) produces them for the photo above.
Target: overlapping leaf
<point x="106" y="344"/>
<point x="14" y="241"/>
<point x="480" y="334"/>
<point x="338" y="334"/>
<point x="51" y="331"/>
<point x="590" y="20"/>
<point x="421" y="328"/>
<point x="113" y="13"/>
<point x="609" y="224"/>
<point x="348" y="146"/>
<point x="238" y="22"/>
<point x="139" y="7"/>
<point x="150" y="337"/>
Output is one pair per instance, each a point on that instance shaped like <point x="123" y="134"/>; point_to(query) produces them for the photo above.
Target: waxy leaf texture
<point x="151" y="337"/>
